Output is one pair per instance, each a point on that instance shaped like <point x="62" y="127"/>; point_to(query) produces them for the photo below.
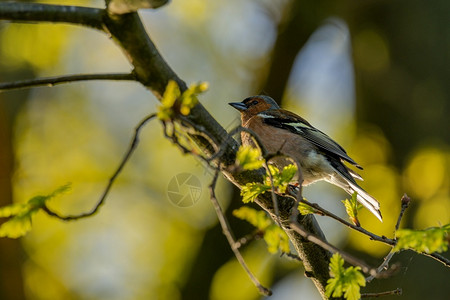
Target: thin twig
<point x="51" y="81"/>
<point x="112" y="179"/>
<point x="405" y="203"/>
<point x="397" y="291"/>
<point x="274" y="196"/>
<point x="248" y="238"/>
<point x="327" y="213"/>
<point x="264" y="153"/>
<point x="197" y="131"/>
<point x="445" y="261"/>
<point x="383" y="266"/>
<point x="329" y="247"/>
<point x="291" y="255"/>
<point x="229" y="235"/>
<point x="174" y="138"/>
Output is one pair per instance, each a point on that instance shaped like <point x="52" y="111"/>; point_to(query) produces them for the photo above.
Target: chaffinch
<point x="284" y="132"/>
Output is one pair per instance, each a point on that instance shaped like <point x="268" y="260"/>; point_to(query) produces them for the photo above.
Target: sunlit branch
<point x="229" y="235"/>
<point x="327" y="213"/>
<point x="436" y="256"/>
<point x="329" y="247"/>
<point x="397" y="291"/>
<point x="257" y="234"/>
<point x="36" y="12"/>
<point x="126" y="157"/>
<point x="51" y="81"/>
<point x="383" y="266"/>
<point x="405" y="203"/>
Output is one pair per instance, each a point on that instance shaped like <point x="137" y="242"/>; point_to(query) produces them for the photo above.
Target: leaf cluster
<point x="174" y="101"/>
<point x="249" y="158"/>
<point x="306" y="209"/>
<point x="275" y="238"/>
<point x="280" y="179"/>
<point x="20" y="214"/>
<point x="433" y="239"/>
<point x="344" y="281"/>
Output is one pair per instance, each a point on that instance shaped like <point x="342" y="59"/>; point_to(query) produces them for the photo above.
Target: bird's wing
<point x="287" y="120"/>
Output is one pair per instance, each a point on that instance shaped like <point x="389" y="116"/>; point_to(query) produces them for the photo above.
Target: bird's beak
<point x="238" y="105"/>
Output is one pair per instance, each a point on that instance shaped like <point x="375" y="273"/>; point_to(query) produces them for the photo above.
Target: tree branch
<point x="51" y="81"/>
<point x="397" y="292"/>
<point x="229" y="235"/>
<point x="436" y="256"/>
<point x="405" y="204"/>
<point x="325" y="245"/>
<point x="36" y="12"/>
<point x="126" y="157"/>
<point x="327" y="213"/>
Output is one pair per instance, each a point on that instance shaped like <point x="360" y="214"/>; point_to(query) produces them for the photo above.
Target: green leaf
<point x="434" y="239"/>
<point x="344" y="281"/>
<point x="275" y="238"/>
<point x="189" y="97"/>
<point x="288" y="173"/>
<point x="281" y="179"/>
<point x="17" y="226"/>
<point x="249" y="158"/>
<point x="336" y="265"/>
<point x="171" y="94"/>
<point x="20" y="214"/>
<point x="10" y="210"/>
<point x="333" y="288"/>
<point x="305" y="209"/>
<point x="352" y="206"/>
<point x="257" y="218"/>
<point x="186" y="101"/>
<point x="250" y="191"/>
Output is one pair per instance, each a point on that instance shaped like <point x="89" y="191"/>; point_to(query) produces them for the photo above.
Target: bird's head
<point x="251" y="106"/>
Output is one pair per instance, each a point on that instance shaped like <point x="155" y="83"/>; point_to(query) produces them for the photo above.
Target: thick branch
<point x="35" y="12"/>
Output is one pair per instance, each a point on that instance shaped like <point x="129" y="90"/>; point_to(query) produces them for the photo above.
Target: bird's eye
<point x="254" y="102"/>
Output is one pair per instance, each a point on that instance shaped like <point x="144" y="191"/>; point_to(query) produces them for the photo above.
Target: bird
<point x="320" y="157"/>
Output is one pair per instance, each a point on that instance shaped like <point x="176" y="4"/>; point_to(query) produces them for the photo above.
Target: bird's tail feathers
<point x="355" y="175"/>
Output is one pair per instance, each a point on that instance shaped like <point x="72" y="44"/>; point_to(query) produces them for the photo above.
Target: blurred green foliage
<point x="273" y="235"/>
<point x="434" y="239"/>
<point x="20" y="214"/>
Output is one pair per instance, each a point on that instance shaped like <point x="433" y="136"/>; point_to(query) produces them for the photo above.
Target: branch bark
<point x="35" y="12"/>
